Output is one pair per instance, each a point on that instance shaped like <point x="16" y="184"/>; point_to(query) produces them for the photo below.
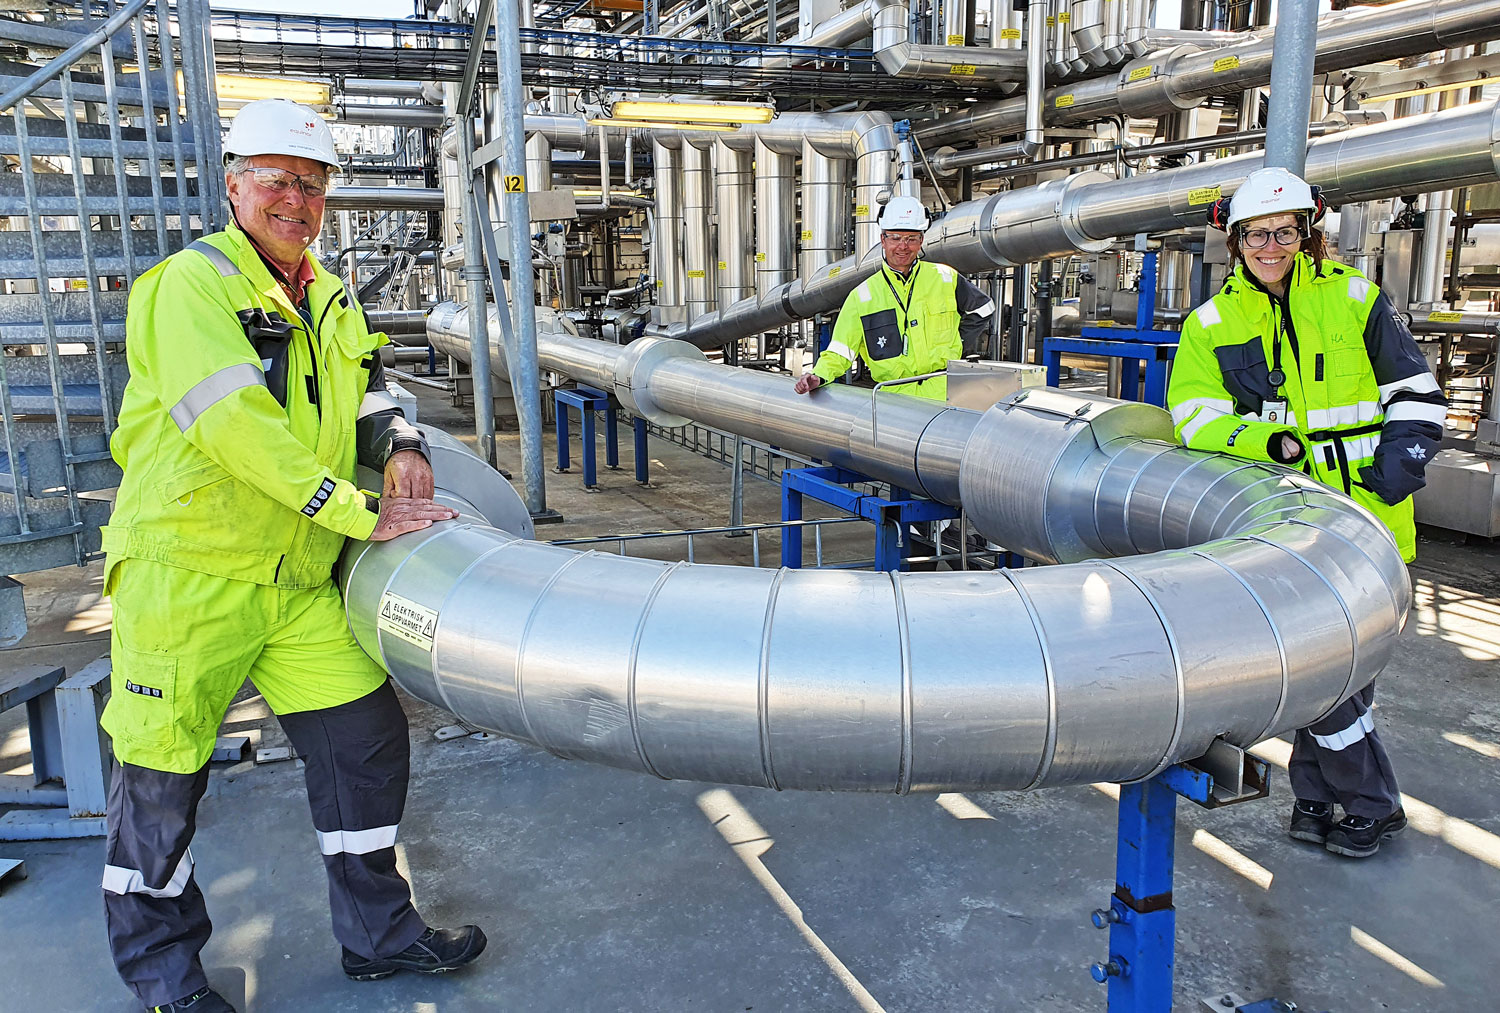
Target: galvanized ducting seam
<point x="1262" y="600"/>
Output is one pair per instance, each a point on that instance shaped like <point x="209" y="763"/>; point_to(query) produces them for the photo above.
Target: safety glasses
<point x="313" y="186"/>
<point x="1287" y="235"/>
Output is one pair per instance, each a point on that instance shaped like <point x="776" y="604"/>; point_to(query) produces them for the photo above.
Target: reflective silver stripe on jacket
<point x="356" y="842"/>
<point x="120" y="880"/>
<point x="214" y="388"/>
<point x="217" y="257"/>
<point x="1343" y="739"/>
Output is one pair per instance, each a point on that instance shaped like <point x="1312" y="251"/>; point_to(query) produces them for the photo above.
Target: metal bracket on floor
<point x="1141" y="919"/>
<point x="67" y="744"/>
<point x="1229" y="1002"/>
<point x="831" y="486"/>
<point x="12" y="869"/>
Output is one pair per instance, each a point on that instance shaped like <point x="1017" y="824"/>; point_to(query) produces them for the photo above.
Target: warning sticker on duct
<point x="1063" y="101"/>
<point x="404" y="618"/>
<point x="962" y="69"/>
<point x="1141" y="73"/>
<point x="1224" y="63"/>
<point x="1444" y="317"/>
<point x="1204" y="195"/>
<point x="1010" y="33"/>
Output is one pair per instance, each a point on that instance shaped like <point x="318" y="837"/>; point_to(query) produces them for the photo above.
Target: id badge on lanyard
<point x="1273" y="411"/>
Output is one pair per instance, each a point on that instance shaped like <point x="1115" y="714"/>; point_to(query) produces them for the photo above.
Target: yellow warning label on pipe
<point x="695" y="274"/>
<point x="834" y="272"/>
<point x="962" y="69"/>
<point x="1063" y="101"/>
<point x="807" y="235"/>
<point x="1141" y="73"/>
<point x="1444" y="317"/>
<point x="1204" y="195"/>
<point x="1051" y="21"/>
<point x="723" y="266"/>
<point x="660" y="282"/>
<point x="760" y="258"/>
<point x="1224" y="63"/>
<point x="1064" y="18"/>
<point x="955" y="40"/>
<point x="1010" y="33"/>
<point x="862" y="210"/>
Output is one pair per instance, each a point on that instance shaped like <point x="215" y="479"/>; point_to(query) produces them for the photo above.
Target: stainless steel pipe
<point x="1102" y="669"/>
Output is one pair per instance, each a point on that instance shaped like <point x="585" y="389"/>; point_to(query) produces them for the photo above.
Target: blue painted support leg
<point x="611" y="440"/>
<point x="1052" y="359"/>
<point x="561" y="408"/>
<point x="590" y="451"/>
<point x="791" y="538"/>
<point x="1140" y="917"/>
<point x="889" y="545"/>
<point x="642" y="458"/>
<point x="1156" y="380"/>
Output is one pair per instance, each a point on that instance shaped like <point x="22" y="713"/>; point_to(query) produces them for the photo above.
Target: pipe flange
<point x="633" y="377"/>
<point x="1069" y="199"/>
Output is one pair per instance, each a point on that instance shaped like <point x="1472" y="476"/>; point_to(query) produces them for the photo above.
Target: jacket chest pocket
<point x="1247" y="378"/>
<point x="882" y="335"/>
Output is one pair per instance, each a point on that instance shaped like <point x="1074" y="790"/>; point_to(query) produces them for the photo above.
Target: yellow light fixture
<point x="245" y="88"/>
<point x="694" y="112"/>
<point x="724" y="128"/>
<point x="1413" y="93"/>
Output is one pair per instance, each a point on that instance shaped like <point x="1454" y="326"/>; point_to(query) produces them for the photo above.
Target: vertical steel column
<point x="473" y="275"/>
<point x="525" y="379"/>
<point x="1291" y="84"/>
<point x="1141" y="920"/>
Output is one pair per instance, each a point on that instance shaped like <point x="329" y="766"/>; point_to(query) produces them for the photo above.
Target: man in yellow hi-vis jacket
<point x="255" y="389"/>
<point x="908" y="319"/>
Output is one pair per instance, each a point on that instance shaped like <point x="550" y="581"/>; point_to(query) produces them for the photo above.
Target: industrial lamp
<point x="692" y="112"/>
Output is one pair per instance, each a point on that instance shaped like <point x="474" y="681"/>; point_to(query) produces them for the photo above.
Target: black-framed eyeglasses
<point x="277" y="180"/>
<point x="1287" y="235"/>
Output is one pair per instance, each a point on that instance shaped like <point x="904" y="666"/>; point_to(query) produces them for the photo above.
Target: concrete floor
<point x="604" y="891"/>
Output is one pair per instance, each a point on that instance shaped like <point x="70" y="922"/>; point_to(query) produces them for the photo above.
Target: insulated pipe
<point x="1036" y="77"/>
<point x="1088" y="30"/>
<point x="384" y="198"/>
<point x="666" y="242"/>
<point x="1005" y="25"/>
<point x="734" y="186"/>
<point x="1113" y="37"/>
<point x="775" y="215"/>
<point x="900" y="57"/>
<point x="1087" y="211"/>
<point x="697" y="201"/>
<point x="397" y="323"/>
<point x="1291" y="84"/>
<point x="1181" y="78"/>
<point x="955" y="23"/>
<point x="1111" y="667"/>
<point x="424" y="116"/>
<point x="825" y="218"/>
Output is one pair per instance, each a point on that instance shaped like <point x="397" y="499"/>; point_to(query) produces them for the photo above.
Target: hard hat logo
<point x="1271" y="191"/>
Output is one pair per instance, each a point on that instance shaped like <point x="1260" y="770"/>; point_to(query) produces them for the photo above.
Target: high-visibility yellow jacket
<point x="237" y="432"/>
<point x="1357" y="391"/>
<point x="908" y="327"/>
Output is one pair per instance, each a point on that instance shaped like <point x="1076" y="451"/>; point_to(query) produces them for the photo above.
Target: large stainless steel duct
<point x="1111" y="667"/>
<point x="734" y="190"/>
<point x="1005" y="25"/>
<point x="423" y="116"/>
<point x="1181" y="78"/>
<point x="900" y="57"/>
<point x="1087" y="211"/>
<point x="1087" y="25"/>
<point x="700" y="286"/>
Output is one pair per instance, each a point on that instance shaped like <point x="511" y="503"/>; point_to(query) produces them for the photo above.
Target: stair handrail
<point x="58" y="64"/>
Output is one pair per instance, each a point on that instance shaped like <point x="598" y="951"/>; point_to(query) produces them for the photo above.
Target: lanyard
<point x="1278" y="376"/>
<point x="911" y="294"/>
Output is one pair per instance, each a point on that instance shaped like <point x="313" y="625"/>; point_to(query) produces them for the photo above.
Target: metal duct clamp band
<point x="1014" y="474"/>
<point x="1040" y="222"/>
<point x="633" y="376"/>
<point x="1146" y="82"/>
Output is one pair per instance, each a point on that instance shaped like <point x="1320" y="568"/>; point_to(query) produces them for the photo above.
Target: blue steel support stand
<point x="1141" y="344"/>
<point x="831" y="486"/>
<point x="1141" y="920"/>
<point x="589" y="400"/>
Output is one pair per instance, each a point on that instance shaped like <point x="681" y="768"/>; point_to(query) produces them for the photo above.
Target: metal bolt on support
<point x="1104" y="917"/>
<point x="1116" y="968"/>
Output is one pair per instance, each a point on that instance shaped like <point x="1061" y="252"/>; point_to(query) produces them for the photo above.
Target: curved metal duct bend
<point x="1267" y="600"/>
<point x="384" y="198"/>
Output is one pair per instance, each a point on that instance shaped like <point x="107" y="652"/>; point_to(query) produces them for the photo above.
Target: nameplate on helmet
<point x="404" y="618"/>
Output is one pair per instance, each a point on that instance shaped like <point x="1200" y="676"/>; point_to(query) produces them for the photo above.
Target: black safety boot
<point x="435" y="951"/>
<point x="1360" y="837"/>
<point x="1311" y="821"/>
<point x="205" y="1000"/>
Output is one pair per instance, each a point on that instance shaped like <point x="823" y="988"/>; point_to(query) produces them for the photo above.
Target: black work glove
<point x="1286" y="447"/>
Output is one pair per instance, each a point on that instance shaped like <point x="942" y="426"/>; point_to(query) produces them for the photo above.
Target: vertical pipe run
<point x="525" y="377"/>
<point x="734" y="185"/>
<point x="1036" y="72"/>
<point x="666" y="244"/>
<point x="825" y="187"/>
<point x="955" y="21"/>
<point x="1005" y="25"/>
<point x="697" y="191"/>
<point x="1291" y="84"/>
<point x="473" y="276"/>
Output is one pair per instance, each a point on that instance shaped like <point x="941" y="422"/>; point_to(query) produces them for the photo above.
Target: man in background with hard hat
<point x="910" y="318"/>
<point x="255" y="389"/>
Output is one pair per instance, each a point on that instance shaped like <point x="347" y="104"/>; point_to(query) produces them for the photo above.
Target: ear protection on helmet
<point x="1218" y="214"/>
<point x="1320" y="206"/>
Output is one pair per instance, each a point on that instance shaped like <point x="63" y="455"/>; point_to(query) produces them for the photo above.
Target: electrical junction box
<point x="555" y="205"/>
<point x="978" y="385"/>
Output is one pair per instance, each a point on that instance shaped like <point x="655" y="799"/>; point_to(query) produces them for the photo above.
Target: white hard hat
<point x="1271" y="191"/>
<point x="903" y="214"/>
<point x="278" y="126"/>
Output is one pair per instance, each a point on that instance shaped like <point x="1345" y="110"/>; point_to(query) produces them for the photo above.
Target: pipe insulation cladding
<point x="1199" y="596"/>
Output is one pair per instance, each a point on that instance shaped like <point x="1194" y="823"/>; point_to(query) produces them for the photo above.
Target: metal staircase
<point x="109" y="166"/>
